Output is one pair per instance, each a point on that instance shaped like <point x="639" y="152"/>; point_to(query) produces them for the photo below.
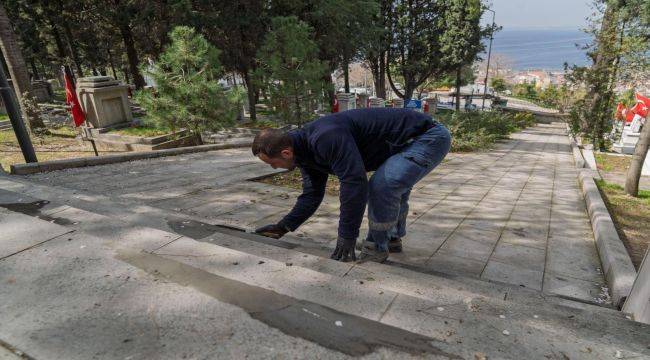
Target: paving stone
<point x="570" y="287"/>
<point x="451" y="264"/>
<point x="244" y="216"/>
<point x="305" y="283"/>
<point x="20" y="232"/>
<point x="524" y="257"/>
<point x="513" y="274"/>
<point x="72" y="299"/>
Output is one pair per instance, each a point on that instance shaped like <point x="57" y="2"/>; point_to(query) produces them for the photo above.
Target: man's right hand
<point x="273" y="231"/>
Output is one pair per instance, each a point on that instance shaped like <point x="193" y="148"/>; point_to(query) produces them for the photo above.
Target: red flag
<point x="640" y="108"/>
<point x="335" y="106"/>
<point x="619" y="111"/>
<point x="629" y="115"/>
<point x="642" y="105"/>
<point x="71" y="99"/>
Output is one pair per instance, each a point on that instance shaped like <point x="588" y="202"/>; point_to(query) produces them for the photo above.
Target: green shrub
<point x="476" y="130"/>
<point x="188" y="94"/>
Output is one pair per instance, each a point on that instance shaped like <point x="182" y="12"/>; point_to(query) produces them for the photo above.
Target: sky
<point x="540" y="14"/>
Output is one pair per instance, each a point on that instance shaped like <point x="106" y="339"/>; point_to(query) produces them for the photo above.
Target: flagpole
<point x="85" y="132"/>
<point x="16" y="119"/>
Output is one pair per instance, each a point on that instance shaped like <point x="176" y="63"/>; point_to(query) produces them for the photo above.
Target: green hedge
<point x="476" y="130"/>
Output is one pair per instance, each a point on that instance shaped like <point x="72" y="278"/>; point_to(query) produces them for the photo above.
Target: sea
<point x="548" y="49"/>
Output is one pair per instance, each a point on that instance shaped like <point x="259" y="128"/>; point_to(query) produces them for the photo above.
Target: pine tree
<point x="187" y="91"/>
<point x="291" y="70"/>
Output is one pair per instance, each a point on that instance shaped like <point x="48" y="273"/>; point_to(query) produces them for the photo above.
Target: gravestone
<point x="363" y="101"/>
<point x="41" y="91"/>
<point x="347" y="101"/>
<point x="376" y="102"/>
<point x="104" y="100"/>
<point x="432" y="104"/>
<point x="398" y="103"/>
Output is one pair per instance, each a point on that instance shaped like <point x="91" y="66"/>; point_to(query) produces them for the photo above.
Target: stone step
<point x="287" y="289"/>
<point x="137" y="214"/>
<point x="141" y="215"/>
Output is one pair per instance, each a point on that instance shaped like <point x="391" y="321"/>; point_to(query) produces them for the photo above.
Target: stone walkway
<point x="514" y="214"/>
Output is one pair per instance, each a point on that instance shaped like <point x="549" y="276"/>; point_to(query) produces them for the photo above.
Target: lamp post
<point x="487" y="68"/>
<point x="16" y="119"/>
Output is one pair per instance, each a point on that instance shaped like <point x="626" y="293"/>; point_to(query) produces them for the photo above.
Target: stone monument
<point x="630" y="134"/>
<point x="363" y="101"/>
<point x="432" y="104"/>
<point x="347" y="101"/>
<point x="376" y="102"/>
<point x="398" y="103"/>
<point x="41" y="91"/>
<point x="104" y="100"/>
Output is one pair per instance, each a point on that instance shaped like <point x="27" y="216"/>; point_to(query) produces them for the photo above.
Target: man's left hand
<point x="344" y="250"/>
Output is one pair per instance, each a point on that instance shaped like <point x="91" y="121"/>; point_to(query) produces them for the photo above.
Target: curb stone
<point x="617" y="265"/>
<point x="577" y="155"/>
<point x="45" y="166"/>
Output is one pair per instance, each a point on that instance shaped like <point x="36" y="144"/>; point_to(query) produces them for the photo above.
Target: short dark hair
<point x="271" y="142"/>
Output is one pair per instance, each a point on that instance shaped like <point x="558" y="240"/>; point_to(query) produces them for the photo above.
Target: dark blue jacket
<point x="348" y="144"/>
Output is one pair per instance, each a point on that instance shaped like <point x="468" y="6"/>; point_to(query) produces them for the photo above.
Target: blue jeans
<point x="390" y="186"/>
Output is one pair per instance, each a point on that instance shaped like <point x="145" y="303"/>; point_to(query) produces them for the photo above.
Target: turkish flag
<point x="71" y="99"/>
<point x="642" y="105"/>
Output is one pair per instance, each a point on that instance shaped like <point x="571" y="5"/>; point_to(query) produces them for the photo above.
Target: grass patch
<point x="612" y="163"/>
<point x="631" y="216"/>
<point x="4" y="117"/>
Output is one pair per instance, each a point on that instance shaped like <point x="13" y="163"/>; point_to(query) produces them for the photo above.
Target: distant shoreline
<point x="546" y="48"/>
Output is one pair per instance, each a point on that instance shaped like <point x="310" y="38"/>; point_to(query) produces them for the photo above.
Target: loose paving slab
<point x="513" y="214"/>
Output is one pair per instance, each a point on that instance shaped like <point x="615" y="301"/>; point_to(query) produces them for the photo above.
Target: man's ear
<point x="287" y="153"/>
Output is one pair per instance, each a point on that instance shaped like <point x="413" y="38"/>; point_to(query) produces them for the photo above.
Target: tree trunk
<point x="392" y="84"/>
<point x="601" y="93"/>
<point x="378" y="69"/>
<point x="17" y="67"/>
<point x="458" y="79"/>
<point x="35" y="73"/>
<point x="346" y="75"/>
<point x="640" y="153"/>
<point x="73" y="50"/>
<point x="126" y="75"/>
<point x="132" y="55"/>
<point x="329" y="88"/>
<point x="252" y="90"/>
<point x="110" y="62"/>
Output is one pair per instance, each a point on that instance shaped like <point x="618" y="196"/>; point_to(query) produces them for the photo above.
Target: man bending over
<point x="401" y="146"/>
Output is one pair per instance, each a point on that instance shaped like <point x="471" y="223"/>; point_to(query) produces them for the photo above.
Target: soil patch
<point x="631" y="216"/>
<point x="612" y="163"/>
<point x="293" y="180"/>
<point x="59" y="143"/>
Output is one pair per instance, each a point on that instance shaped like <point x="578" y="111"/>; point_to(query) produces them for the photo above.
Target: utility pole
<point x="487" y="68"/>
<point x="16" y="119"/>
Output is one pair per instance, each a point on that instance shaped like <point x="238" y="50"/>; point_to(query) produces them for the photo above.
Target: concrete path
<point x="95" y="282"/>
<point x="513" y="215"/>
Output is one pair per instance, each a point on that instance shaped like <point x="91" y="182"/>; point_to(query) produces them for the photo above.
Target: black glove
<point x="344" y="250"/>
<point x="273" y="231"/>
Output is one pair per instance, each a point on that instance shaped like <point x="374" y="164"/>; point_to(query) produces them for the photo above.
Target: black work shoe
<point x="395" y="245"/>
<point x="369" y="253"/>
